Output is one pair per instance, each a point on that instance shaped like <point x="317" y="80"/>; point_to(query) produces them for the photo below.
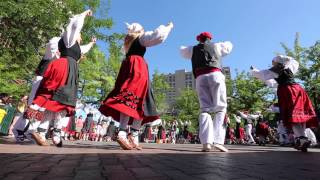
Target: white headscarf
<point x="134" y="28"/>
<point x="52" y="48"/>
<point x="288" y="62"/>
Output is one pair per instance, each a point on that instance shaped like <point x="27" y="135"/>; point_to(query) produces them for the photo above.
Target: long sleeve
<point x="237" y="118"/>
<point x="73" y="29"/>
<point x="264" y="75"/>
<point x="271" y="83"/>
<point x="223" y="48"/>
<point x="186" y="52"/>
<point x="253" y="116"/>
<point x="244" y="116"/>
<point x="86" y="48"/>
<point x="159" y="35"/>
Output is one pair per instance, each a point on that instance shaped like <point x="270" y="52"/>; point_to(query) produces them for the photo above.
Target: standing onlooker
<point x="87" y="126"/>
<point x="21" y="106"/>
<point x="111" y="131"/>
<point x="79" y="126"/>
<point x="10" y="112"/>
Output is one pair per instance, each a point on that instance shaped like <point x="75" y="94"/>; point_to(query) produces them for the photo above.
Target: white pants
<point x="57" y="117"/>
<point x="311" y="136"/>
<point x="211" y="89"/>
<point x="249" y="133"/>
<point x="299" y="129"/>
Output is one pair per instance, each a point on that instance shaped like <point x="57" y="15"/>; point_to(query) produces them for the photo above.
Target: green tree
<point x="98" y="74"/>
<point x="26" y="26"/>
<point x="160" y="87"/>
<point x="249" y="94"/>
<point x="309" y="65"/>
<point x="187" y="106"/>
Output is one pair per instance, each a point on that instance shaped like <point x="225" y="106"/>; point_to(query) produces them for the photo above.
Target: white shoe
<point x="221" y="147"/>
<point x="206" y="147"/>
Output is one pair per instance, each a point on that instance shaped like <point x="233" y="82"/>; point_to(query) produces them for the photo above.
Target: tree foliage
<point x="26" y="26"/>
<point x="160" y="87"/>
<point x="187" y="107"/>
<point x="309" y="67"/>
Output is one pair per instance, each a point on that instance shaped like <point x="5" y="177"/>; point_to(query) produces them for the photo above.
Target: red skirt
<point x="55" y="76"/>
<point x="129" y="92"/>
<point x="295" y="106"/>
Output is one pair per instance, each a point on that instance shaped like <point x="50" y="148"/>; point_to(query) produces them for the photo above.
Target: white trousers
<point x="299" y="129"/>
<point x="249" y="133"/>
<point x="56" y="117"/>
<point x="211" y="90"/>
<point x="311" y="136"/>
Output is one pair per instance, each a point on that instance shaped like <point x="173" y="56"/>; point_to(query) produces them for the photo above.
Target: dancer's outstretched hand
<point x="94" y="39"/>
<point x="89" y="12"/>
<point x="170" y="24"/>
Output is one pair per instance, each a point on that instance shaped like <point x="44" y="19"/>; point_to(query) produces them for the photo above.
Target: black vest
<point x="67" y="94"/>
<point x="136" y="49"/>
<point x="74" y="51"/>
<point x="285" y="77"/>
<point x="204" y="56"/>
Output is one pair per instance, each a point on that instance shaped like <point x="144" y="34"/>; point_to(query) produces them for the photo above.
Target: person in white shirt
<point x="57" y="93"/>
<point x="211" y="88"/>
<point x="131" y="101"/>
<point x="296" y="110"/>
<point x="249" y="121"/>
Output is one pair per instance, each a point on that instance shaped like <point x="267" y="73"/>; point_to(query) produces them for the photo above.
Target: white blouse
<point x="152" y="38"/>
<point x="222" y="49"/>
<point x="86" y="48"/>
<point x="268" y="76"/>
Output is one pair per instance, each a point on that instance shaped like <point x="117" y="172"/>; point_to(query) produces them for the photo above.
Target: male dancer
<point x="211" y="88"/>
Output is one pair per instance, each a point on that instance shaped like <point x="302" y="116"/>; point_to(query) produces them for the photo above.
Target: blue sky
<point x="255" y="27"/>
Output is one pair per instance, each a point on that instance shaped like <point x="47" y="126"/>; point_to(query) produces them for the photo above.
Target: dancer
<point x="296" y="110"/>
<point x="249" y="121"/>
<point x="211" y="88"/>
<point x="22" y="125"/>
<point x="132" y="99"/>
<point x="56" y="96"/>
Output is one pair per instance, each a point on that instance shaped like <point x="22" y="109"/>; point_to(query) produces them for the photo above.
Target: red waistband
<point x="201" y="71"/>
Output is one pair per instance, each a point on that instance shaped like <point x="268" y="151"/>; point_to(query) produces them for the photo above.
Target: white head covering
<point x="134" y="28"/>
<point x="52" y="48"/>
<point x="288" y="62"/>
<point x="282" y="59"/>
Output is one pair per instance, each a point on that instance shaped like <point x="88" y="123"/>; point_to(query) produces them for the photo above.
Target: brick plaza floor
<point x="100" y="160"/>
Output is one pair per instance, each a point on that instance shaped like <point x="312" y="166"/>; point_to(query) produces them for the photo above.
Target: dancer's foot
<point x="302" y="144"/>
<point x="38" y="139"/>
<point x="220" y="147"/>
<point x="134" y="142"/>
<point x="206" y="147"/>
<point x="56" y="137"/>
<point x="123" y="142"/>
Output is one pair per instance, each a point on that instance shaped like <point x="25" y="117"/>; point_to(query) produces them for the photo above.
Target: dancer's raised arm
<point x="87" y="47"/>
<point x="74" y="27"/>
<point x="159" y="35"/>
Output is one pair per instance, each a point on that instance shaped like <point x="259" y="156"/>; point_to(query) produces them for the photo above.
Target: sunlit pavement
<point x="101" y="160"/>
